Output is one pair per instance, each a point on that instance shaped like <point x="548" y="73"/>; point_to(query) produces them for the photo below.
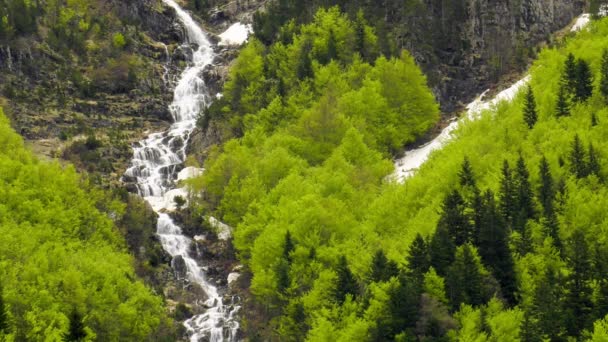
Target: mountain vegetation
<point x="83" y="69"/>
<point x="499" y="236"/>
<point x="65" y="273"/>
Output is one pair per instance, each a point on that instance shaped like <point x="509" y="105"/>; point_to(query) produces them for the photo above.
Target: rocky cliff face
<point x="86" y="102"/>
<point x="474" y="42"/>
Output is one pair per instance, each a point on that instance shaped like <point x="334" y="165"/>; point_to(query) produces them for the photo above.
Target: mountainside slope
<point x="462" y="45"/>
<point x="63" y="264"/>
<point x="488" y="241"/>
<point x="86" y="69"/>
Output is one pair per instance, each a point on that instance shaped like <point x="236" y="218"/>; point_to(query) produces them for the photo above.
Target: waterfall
<point x="155" y="165"/>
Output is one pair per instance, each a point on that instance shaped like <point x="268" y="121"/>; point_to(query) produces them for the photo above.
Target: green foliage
<point x="455" y="219"/>
<point x="418" y="260"/>
<point x="578" y="303"/>
<point x="347" y="285"/>
<point x="467" y="281"/>
<point x="467" y="178"/>
<point x="315" y="127"/>
<point x="314" y="124"/>
<point x="76" y="332"/>
<point x="272" y="87"/>
<point x="382" y="269"/>
<point x="562" y="107"/>
<point x="530" y="115"/>
<point x="118" y="41"/>
<point x="4" y="323"/>
<point x="604" y="75"/>
<point x="60" y="254"/>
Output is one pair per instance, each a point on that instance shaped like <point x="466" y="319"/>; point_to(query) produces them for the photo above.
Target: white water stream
<point x="155" y="165"/>
<point x="406" y="166"/>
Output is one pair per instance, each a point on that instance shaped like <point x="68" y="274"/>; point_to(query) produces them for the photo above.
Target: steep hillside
<point x="462" y="45"/>
<point x="65" y="273"/>
<point x="84" y="78"/>
<point x="500" y="236"/>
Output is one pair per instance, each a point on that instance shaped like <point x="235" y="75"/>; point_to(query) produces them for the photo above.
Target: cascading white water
<point x="406" y="166"/>
<point x="156" y="161"/>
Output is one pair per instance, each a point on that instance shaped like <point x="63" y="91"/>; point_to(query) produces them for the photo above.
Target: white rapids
<point x="413" y="159"/>
<point x="156" y="165"/>
<point x="406" y="166"/>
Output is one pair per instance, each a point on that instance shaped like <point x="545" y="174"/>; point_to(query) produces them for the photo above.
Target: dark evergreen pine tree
<point x="403" y="311"/>
<point x="530" y="114"/>
<point x="547" y="305"/>
<point x="347" y="284"/>
<point x="529" y="330"/>
<point x="282" y="274"/>
<point x="584" y="81"/>
<point x="593" y="120"/>
<point x="494" y="248"/>
<point x="465" y="280"/>
<point x="604" y="75"/>
<point x="467" y="178"/>
<point x="507" y="194"/>
<point x="360" y="44"/>
<point x="594" y="7"/>
<point x="455" y="219"/>
<point x="382" y="268"/>
<point x="569" y="75"/>
<point x="305" y="64"/>
<point x="600" y="273"/>
<point x="578" y="304"/>
<point x="525" y="204"/>
<point x="578" y="166"/>
<point x="441" y="250"/>
<point x="76" y="330"/>
<point x="551" y="225"/>
<point x="546" y="191"/>
<point x="562" y="108"/>
<point x="477" y="214"/>
<point x="601" y="305"/>
<point x="418" y="259"/>
<point x="593" y="167"/>
<point x="4" y="326"/>
<point x="22" y="19"/>
<point x="288" y="247"/>
<point x="332" y="49"/>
